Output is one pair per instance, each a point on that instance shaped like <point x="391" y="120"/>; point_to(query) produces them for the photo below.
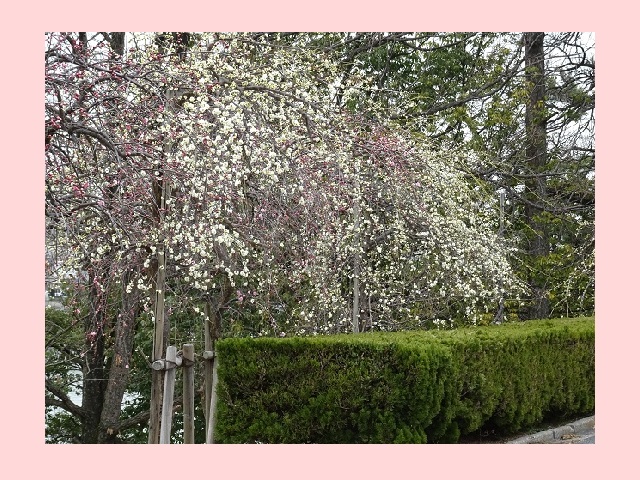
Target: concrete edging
<point x="579" y="426"/>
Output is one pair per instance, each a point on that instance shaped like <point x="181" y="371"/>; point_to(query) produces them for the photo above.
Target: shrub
<point x="406" y="387"/>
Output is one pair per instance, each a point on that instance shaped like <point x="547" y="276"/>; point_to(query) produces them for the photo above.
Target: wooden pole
<point x="158" y="328"/>
<point x="355" y="312"/>
<point x="188" y="403"/>
<point x="211" y="419"/>
<point x="499" y="317"/>
<point x="208" y="364"/>
<point x="167" y="398"/>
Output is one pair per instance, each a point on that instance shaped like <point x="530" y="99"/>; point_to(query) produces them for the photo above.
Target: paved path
<point x="581" y="431"/>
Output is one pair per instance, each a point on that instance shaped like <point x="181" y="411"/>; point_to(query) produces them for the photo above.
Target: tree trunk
<point x="104" y="423"/>
<point x="536" y="153"/>
<point x="119" y="365"/>
<point x="94" y="381"/>
<point x="117" y="42"/>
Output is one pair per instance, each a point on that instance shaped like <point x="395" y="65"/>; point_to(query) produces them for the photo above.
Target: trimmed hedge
<point x="404" y="387"/>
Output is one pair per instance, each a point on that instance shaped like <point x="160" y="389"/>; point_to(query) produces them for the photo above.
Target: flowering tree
<point x="271" y="207"/>
<point x="524" y="102"/>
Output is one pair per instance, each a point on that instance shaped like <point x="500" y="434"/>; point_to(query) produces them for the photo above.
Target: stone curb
<point x="579" y="426"/>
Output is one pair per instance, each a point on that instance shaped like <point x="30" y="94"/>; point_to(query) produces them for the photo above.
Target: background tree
<point x="536" y="154"/>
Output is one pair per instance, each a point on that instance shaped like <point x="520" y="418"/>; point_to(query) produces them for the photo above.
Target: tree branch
<point x="62" y="401"/>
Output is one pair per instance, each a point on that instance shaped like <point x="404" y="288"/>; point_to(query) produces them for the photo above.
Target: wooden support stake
<point x="355" y="311"/>
<point x="167" y="403"/>
<point x="188" y="394"/>
<point x="158" y="329"/>
<point x="161" y="324"/>
<point x="208" y="364"/>
<point x="208" y="355"/>
<point x="164" y="364"/>
<point x="211" y="419"/>
<point x="499" y="316"/>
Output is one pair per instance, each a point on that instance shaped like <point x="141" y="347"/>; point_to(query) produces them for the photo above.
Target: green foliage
<point x="567" y="270"/>
<point x="340" y="389"/>
<point x="64" y="340"/>
<point x="514" y="376"/>
<point x="405" y="387"/>
<point x="65" y="347"/>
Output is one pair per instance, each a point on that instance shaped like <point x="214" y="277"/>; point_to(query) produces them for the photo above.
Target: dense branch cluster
<point x="267" y="177"/>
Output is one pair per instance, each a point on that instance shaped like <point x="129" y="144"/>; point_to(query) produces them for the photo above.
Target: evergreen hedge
<point x="404" y="387"/>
